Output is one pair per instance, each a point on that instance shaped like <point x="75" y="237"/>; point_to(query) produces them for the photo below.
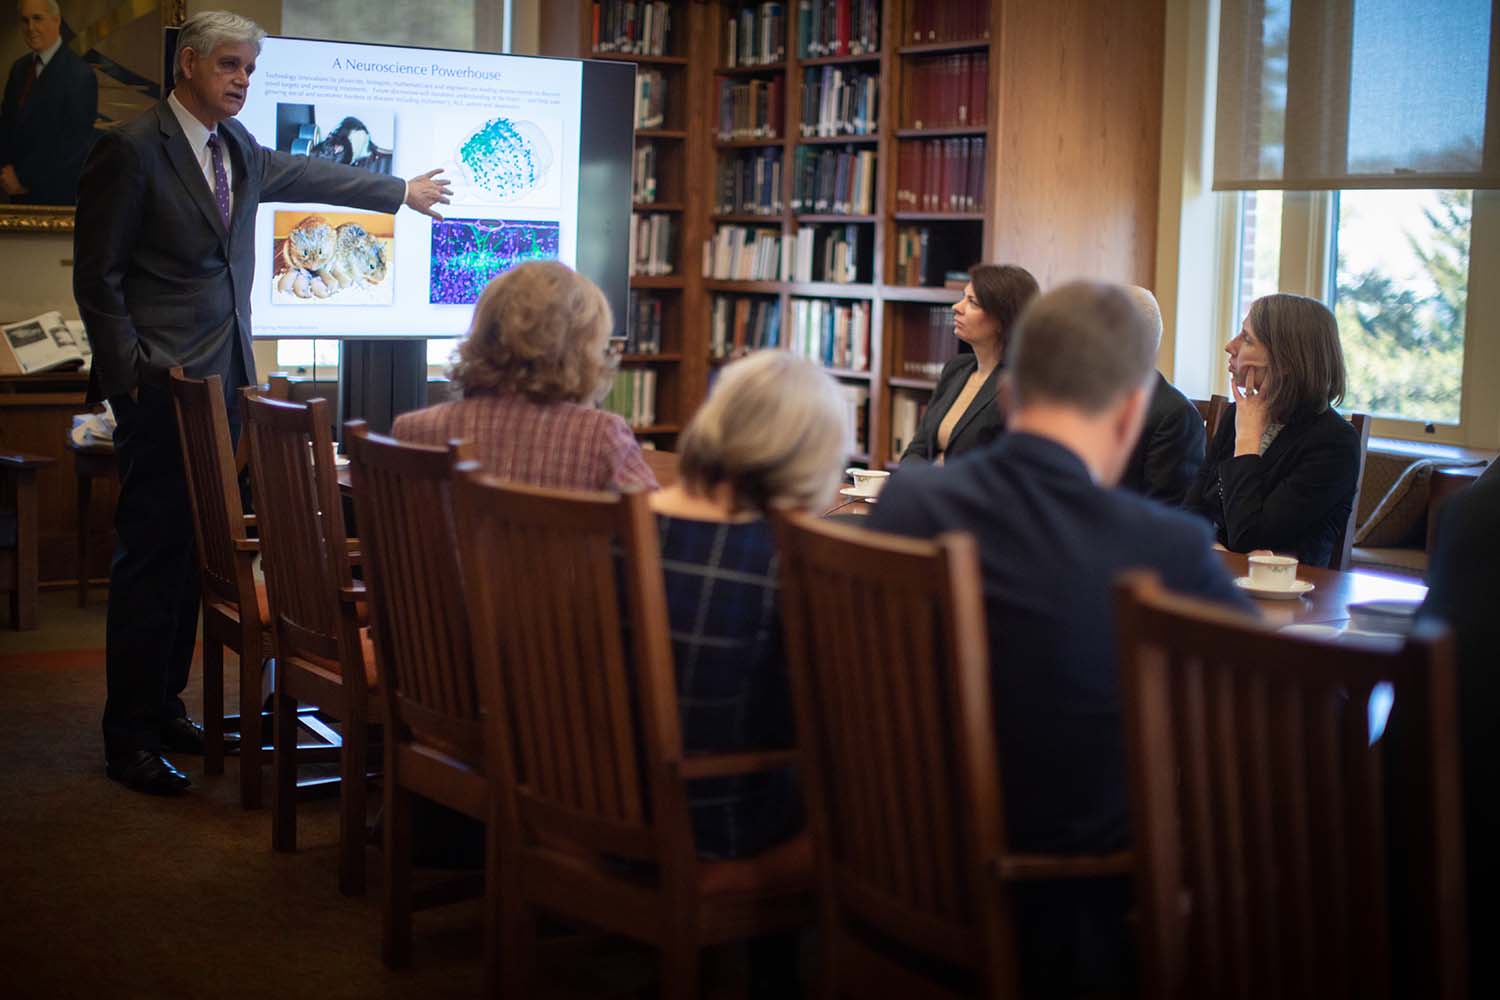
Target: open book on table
<point x="43" y="343"/>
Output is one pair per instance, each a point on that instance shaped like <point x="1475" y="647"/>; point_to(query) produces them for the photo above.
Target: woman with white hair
<point x="773" y="433"/>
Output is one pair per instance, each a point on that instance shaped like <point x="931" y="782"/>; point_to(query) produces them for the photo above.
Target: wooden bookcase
<point x="1071" y="127"/>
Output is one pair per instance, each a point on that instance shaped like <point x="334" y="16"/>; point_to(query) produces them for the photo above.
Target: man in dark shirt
<point x="1464" y="581"/>
<point x="1166" y="458"/>
<point x="1052" y="536"/>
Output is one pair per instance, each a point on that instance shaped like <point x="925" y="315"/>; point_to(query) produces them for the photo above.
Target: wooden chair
<point x="323" y="655"/>
<point x="234" y="607"/>
<point x="1285" y="847"/>
<point x="583" y="742"/>
<point x="1343" y="558"/>
<point x="20" y="530"/>
<point x="1212" y="411"/>
<point x="889" y="661"/>
<point x="434" y="745"/>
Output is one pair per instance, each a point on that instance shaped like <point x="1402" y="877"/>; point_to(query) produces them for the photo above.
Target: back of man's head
<point x="1084" y="345"/>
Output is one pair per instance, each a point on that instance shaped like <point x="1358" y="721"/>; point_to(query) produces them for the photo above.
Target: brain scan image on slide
<point x="342" y="258"/>
<point x="504" y="161"/>
<point x="467" y="253"/>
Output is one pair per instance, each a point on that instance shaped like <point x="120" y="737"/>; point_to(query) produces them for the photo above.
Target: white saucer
<point x="1296" y="590"/>
<point x="855" y="494"/>
<point x="339" y="461"/>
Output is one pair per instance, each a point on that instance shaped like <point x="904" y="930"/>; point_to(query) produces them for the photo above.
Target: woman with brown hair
<point x="535" y="363"/>
<point x="963" y="413"/>
<point x="1282" y="469"/>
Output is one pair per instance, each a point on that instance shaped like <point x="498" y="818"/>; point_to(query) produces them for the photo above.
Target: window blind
<point x="1321" y="95"/>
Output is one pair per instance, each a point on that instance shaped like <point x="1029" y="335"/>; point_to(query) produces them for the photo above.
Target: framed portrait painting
<point x="73" y="70"/>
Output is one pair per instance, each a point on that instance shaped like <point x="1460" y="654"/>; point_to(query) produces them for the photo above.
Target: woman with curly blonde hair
<point x="534" y="364"/>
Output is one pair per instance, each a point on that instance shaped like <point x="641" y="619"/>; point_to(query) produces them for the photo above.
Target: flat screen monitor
<point x="538" y="151"/>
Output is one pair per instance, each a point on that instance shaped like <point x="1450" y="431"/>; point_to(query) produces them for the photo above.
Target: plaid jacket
<point x="555" y="445"/>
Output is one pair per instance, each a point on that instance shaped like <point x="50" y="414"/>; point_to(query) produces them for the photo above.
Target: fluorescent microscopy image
<point x="506" y="157"/>
<point x="467" y="253"/>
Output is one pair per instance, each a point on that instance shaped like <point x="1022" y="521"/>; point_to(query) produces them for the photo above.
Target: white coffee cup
<point x="1273" y="572"/>
<point x="868" y="481"/>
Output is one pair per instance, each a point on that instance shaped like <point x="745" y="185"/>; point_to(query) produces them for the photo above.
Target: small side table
<point x="90" y="462"/>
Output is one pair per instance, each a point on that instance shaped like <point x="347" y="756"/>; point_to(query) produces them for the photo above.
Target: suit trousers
<point x="154" y="589"/>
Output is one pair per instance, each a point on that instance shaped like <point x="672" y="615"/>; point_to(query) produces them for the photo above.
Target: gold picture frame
<point x="129" y="34"/>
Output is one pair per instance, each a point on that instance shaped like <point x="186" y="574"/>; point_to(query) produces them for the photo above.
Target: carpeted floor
<point x="105" y="892"/>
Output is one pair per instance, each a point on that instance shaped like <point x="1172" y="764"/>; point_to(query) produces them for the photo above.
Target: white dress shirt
<point x="197" y="139"/>
<point x="46" y="54"/>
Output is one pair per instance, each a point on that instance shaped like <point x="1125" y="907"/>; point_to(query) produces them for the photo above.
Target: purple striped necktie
<point x="221" y="179"/>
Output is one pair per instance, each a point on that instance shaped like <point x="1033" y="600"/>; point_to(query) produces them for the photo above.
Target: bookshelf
<point x="1021" y="131"/>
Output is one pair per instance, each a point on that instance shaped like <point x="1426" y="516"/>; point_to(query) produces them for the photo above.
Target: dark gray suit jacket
<point x="1167" y="457"/>
<point x="979" y="425"/>
<point x="158" y="279"/>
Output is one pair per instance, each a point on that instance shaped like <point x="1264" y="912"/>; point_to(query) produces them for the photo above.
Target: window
<point x="443" y="24"/>
<point x="1401" y="295"/>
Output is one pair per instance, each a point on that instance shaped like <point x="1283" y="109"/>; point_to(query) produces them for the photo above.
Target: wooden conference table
<point x="1327" y="604"/>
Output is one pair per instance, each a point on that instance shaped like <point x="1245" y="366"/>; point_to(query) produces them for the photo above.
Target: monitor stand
<point x="379" y="380"/>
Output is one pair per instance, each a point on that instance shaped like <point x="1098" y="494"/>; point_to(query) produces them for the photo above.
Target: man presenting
<point x="164" y="250"/>
<point x="47" y="117"/>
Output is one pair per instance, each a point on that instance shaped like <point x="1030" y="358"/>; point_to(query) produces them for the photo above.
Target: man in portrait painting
<point x="47" y="118"/>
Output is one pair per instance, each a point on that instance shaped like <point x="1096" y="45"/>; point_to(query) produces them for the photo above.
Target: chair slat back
<point x="213" y="486"/>
<point x="300" y="520"/>
<point x="1281" y="834"/>
<point x="1344" y="556"/>
<point x="588" y="719"/>
<point x="418" y="612"/>
<point x="886" y="646"/>
<point x="1212" y="411"/>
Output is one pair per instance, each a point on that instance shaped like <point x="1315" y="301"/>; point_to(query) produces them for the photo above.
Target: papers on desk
<point x="93" y="428"/>
<point x="43" y="343"/>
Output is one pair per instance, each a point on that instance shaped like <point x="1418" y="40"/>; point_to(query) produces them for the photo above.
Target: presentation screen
<point x="538" y="152"/>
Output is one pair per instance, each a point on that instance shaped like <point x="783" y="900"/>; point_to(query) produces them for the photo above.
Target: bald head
<point x="1149" y="308"/>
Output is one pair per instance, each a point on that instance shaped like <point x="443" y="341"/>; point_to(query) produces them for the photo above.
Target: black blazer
<point x="1168" y="455"/>
<point x="158" y="279"/>
<point x="1464" y="577"/>
<point x="47" y="140"/>
<point x="1295" y="498"/>
<point x="1051" y="542"/>
<point x="979" y="425"/>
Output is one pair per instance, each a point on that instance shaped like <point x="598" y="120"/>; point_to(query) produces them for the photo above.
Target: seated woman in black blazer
<point x="963" y="412"/>
<point x="1282" y="469"/>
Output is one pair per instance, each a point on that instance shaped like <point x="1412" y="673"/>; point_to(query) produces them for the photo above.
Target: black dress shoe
<point x="148" y="772"/>
<point x="186" y="736"/>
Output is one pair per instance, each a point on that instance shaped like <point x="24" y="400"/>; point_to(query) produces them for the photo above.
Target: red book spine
<point x="980" y="102"/>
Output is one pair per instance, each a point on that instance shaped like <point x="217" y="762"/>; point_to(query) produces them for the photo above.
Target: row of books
<point x="643" y="332"/>
<point x="650" y="98"/>
<point x="749" y="183"/>
<point x="633" y="396"/>
<point x="833" y="181"/>
<point x="643" y="174"/>
<point x="931" y="260"/>
<point x="907" y="408"/>
<point x="739" y="253"/>
<point x="948" y="91"/>
<point x="926" y="347"/>
<point x="739" y="323"/>
<point x="857" y="397"/>
<point x="841" y="254"/>
<point x="651" y="238"/>
<point x="639" y="28"/>
<point x="940" y="175"/>
<point x="834" y="334"/>
<point x="837" y="28"/>
<point x="839" y="101"/>
<point x="756" y="36"/>
<point x="750" y="109"/>
<point x="949" y="22"/>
